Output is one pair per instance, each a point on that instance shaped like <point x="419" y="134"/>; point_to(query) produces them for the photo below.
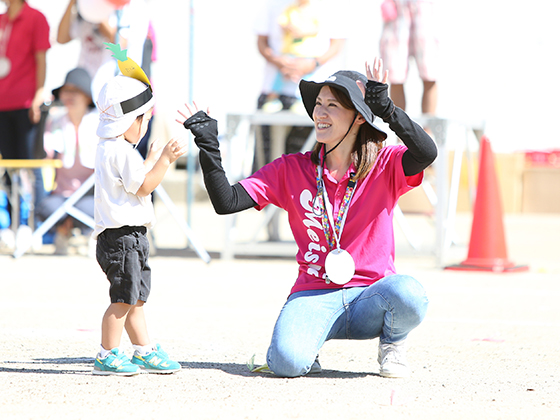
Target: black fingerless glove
<point x="377" y="98"/>
<point x="225" y="198"/>
<point x="205" y="131"/>
<point x="422" y="150"/>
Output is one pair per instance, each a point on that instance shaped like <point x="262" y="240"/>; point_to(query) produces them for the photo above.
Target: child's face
<point x="138" y="128"/>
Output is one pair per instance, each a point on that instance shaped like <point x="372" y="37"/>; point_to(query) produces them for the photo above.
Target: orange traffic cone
<point x="487" y="246"/>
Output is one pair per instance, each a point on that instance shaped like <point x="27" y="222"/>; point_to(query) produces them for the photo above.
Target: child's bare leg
<point x="113" y="324"/>
<point x="135" y="325"/>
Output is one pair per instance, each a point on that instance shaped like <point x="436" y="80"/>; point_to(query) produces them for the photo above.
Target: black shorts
<point x="122" y="254"/>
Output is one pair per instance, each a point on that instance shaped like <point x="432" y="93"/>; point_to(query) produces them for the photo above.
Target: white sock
<point x="143" y="350"/>
<point x="103" y="353"/>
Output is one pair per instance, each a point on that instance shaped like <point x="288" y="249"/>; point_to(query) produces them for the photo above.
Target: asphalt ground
<point x="488" y="348"/>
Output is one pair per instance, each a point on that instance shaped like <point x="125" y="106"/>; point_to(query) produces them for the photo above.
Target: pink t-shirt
<point x="29" y="34"/>
<point x="290" y="183"/>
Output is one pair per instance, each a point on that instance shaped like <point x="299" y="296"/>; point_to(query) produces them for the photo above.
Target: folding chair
<point x="13" y="168"/>
<point x="68" y="208"/>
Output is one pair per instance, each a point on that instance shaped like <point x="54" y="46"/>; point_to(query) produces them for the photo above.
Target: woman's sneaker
<point x="116" y="363"/>
<point x="392" y="360"/>
<point x="156" y="362"/>
<point x="316" y="366"/>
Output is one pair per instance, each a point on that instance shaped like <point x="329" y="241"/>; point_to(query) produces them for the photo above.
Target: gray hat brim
<point x="78" y="77"/>
<point x="345" y="81"/>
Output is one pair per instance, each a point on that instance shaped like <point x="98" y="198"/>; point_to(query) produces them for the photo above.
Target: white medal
<point x="5" y="63"/>
<point x="339" y="266"/>
<point x="5" y="67"/>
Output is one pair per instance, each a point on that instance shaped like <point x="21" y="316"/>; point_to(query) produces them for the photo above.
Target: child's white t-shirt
<point x="119" y="173"/>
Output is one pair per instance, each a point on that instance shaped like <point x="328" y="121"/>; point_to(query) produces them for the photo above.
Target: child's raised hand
<point x="156" y="147"/>
<point x="175" y="148"/>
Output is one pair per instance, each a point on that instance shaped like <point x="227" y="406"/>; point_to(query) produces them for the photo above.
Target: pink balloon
<point x="119" y="3"/>
<point x="95" y="11"/>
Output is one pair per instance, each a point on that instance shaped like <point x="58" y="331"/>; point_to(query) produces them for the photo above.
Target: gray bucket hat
<point x="344" y="80"/>
<point x="78" y="77"/>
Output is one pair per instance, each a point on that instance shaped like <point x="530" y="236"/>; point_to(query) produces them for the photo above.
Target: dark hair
<point x="368" y="142"/>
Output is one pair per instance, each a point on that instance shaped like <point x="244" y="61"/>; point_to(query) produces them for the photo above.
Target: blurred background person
<point x="70" y="136"/>
<point x="94" y="22"/>
<point x="24" y="41"/>
<point x="298" y="39"/>
<point x="148" y="58"/>
<point x="91" y="37"/>
<point x="410" y="31"/>
<point x="125" y="22"/>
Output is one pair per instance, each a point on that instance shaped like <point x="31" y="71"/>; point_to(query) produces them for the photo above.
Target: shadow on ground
<point x="83" y="365"/>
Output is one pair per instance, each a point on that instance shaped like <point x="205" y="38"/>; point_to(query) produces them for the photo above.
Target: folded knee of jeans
<point x="288" y="367"/>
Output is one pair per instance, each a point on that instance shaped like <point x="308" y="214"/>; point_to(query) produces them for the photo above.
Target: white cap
<point x="120" y="101"/>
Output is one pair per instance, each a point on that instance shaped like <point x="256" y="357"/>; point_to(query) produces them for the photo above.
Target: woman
<point x="24" y="41"/>
<point x="347" y="287"/>
<point x="70" y="137"/>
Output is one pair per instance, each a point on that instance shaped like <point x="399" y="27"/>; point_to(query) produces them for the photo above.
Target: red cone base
<point x="497" y="266"/>
<point x="487" y="246"/>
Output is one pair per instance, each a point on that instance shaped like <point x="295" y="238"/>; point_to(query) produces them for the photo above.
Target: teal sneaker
<point x="156" y="362"/>
<point x="116" y="363"/>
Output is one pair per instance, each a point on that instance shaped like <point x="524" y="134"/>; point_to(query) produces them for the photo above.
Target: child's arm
<point x="154" y="153"/>
<point x="174" y="149"/>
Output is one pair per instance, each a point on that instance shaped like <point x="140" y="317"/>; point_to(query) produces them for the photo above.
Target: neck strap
<point x="338" y="144"/>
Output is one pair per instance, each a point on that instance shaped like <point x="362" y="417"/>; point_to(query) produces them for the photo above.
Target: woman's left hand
<point x="375" y="72"/>
<point x="376" y="94"/>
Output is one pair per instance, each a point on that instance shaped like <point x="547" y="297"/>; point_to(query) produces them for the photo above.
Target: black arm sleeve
<point x="422" y="150"/>
<point x="225" y="198"/>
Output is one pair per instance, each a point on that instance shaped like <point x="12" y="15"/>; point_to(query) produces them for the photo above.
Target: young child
<point x="123" y="212"/>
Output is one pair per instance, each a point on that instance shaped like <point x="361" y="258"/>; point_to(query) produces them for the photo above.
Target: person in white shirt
<point x="123" y="213"/>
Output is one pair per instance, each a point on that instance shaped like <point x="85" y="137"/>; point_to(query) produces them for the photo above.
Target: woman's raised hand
<point x="189" y="113"/>
<point x="202" y="126"/>
<point x="375" y="72"/>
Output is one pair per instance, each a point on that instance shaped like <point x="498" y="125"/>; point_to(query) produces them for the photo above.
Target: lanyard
<point x="327" y="218"/>
<point x="5" y="33"/>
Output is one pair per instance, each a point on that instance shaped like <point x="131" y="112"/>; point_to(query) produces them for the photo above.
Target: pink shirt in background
<point x="29" y="34"/>
<point x="289" y="182"/>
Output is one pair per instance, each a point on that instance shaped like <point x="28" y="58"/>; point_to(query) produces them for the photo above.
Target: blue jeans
<point x="389" y="309"/>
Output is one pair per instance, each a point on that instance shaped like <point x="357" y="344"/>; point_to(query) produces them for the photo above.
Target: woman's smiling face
<point x="332" y="120"/>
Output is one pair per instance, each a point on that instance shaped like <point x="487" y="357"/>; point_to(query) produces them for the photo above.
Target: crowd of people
<point x="339" y="197"/>
<point x="31" y="129"/>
